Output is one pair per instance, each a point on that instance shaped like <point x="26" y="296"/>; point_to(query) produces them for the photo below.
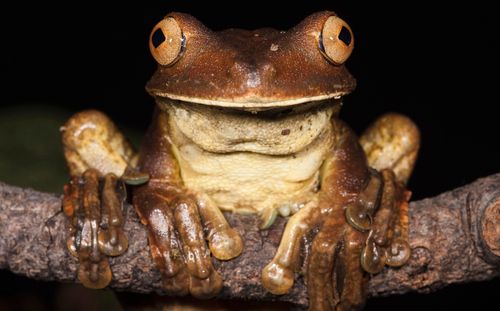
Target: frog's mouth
<point x="257" y="104"/>
<point x="272" y="111"/>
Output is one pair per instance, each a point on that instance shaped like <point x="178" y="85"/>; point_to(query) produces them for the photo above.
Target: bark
<point x="455" y="238"/>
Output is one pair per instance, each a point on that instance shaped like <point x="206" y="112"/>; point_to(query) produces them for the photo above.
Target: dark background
<point x="435" y="63"/>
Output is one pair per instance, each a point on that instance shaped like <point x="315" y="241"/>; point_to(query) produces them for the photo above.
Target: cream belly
<point x="248" y="178"/>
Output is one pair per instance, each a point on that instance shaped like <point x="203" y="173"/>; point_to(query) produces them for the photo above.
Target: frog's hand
<point x="365" y="227"/>
<point x="334" y="276"/>
<point x="176" y="219"/>
<point x="392" y="142"/>
<point x="96" y="153"/>
<point x="175" y="234"/>
<point x="387" y="242"/>
<point x="354" y="236"/>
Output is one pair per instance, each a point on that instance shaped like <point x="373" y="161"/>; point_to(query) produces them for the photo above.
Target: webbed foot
<point x="387" y="242"/>
<point x="391" y="145"/>
<point x="360" y="221"/>
<point x="94" y="206"/>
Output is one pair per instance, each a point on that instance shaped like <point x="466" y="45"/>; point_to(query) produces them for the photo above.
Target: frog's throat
<point x="224" y="130"/>
<point x="245" y="162"/>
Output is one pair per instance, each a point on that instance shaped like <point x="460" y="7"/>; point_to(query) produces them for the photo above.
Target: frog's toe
<point x="349" y="279"/>
<point x="388" y="238"/>
<point x="164" y="245"/>
<point x="205" y="281"/>
<point x="112" y="239"/>
<point x="95" y="275"/>
<point x="277" y="279"/>
<point x="334" y="276"/>
<point x="359" y="213"/>
<point x="207" y="287"/>
<point x="178" y="284"/>
<point x="278" y="276"/>
<point x="321" y="267"/>
<point x="190" y="231"/>
<point x="225" y="244"/>
<point x="398" y="253"/>
<point x="96" y="221"/>
<point x="373" y="257"/>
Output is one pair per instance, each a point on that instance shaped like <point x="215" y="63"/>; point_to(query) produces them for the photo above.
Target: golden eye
<point x="336" y="40"/>
<point x="167" y="42"/>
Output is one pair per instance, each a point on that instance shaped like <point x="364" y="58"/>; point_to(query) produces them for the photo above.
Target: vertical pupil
<point x="345" y="36"/>
<point x="158" y="38"/>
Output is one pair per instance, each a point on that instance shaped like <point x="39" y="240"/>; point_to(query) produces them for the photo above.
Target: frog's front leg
<point x="391" y="145"/>
<point x="392" y="142"/>
<point x="179" y="221"/>
<point x="362" y="221"/>
<point x="336" y="249"/>
<point x="97" y="154"/>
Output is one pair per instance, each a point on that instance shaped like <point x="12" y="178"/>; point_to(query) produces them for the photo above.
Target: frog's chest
<point x="247" y="169"/>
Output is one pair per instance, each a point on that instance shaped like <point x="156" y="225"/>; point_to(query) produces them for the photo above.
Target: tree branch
<point x="455" y="238"/>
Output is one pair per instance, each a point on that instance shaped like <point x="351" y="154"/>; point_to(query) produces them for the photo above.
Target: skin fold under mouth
<point x="253" y="104"/>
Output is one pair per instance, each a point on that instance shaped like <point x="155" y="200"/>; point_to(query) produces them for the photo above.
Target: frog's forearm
<point x="91" y="140"/>
<point x="33" y="243"/>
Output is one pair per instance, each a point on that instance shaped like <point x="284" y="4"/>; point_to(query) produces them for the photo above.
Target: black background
<point x="435" y="63"/>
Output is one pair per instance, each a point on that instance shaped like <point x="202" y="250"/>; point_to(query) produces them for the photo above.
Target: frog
<point x="247" y="122"/>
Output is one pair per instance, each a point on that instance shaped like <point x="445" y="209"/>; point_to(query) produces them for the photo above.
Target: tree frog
<point x="246" y="122"/>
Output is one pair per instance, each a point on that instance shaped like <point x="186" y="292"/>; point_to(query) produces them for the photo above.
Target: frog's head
<point x="251" y="70"/>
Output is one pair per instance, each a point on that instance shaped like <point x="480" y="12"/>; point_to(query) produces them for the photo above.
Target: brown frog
<point x="246" y="122"/>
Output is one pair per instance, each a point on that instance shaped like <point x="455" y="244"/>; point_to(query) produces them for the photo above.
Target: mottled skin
<point x="246" y="121"/>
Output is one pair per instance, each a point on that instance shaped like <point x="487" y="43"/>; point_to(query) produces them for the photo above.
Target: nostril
<point x="253" y="79"/>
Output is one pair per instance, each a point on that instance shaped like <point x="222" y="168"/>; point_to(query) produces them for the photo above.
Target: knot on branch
<point x="490" y="230"/>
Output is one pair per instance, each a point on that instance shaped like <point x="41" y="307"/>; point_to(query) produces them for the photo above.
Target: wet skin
<point x="246" y="122"/>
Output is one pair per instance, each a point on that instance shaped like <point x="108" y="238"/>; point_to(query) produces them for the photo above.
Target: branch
<point x="455" y="238"/>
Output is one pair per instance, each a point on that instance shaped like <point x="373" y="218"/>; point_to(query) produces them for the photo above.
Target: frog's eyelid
<point x="336" y="40"/>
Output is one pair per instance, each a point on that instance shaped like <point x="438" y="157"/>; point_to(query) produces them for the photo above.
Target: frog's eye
<point x="336" y="40"/>
<point x="167" y="42"/>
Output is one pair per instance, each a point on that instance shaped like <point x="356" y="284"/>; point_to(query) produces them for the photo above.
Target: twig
<point x="455" y="238"/>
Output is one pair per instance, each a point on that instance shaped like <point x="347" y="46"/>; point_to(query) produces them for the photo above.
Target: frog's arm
<point x="91" y="140"/>
<point x="361" y="227"/>
<point x="96" y="154"/>
<point x="344" y="174"/>
<point x="176" y="219"/>
<point x="392" y="142"/>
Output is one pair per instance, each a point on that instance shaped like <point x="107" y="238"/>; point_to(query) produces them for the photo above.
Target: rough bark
<point x="455" y="237"/>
